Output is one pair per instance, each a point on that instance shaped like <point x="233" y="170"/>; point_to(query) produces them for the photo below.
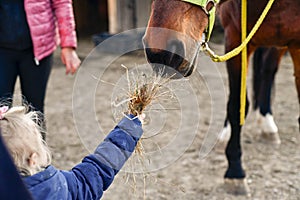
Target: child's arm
<point x="94" y="175"/>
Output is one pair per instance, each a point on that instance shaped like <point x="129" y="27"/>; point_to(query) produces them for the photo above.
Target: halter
<point x="211" y="14"/>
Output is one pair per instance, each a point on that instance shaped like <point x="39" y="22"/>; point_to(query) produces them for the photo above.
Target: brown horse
<point x="278" y="30"/>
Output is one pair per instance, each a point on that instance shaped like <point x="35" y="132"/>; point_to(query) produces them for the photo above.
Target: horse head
<point x="175" y="33"/>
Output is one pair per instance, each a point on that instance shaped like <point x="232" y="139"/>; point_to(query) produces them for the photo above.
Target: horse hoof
<point x="270" y="138"/>
<point x="237" y="187"/>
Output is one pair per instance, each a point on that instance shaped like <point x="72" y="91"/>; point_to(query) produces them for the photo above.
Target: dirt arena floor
<point x="175" y="167"/>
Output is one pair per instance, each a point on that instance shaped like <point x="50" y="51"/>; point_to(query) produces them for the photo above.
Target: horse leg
<point x="295" y="54"/>
<point x="265" y="66"/>
<point x="256" y="83"/>
<point x="224" y="135"/>
<point x="235" y="174"/>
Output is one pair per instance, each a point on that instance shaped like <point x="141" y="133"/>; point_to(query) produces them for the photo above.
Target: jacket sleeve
<point x="63" y="11"/>
<point x="94" y="175"/>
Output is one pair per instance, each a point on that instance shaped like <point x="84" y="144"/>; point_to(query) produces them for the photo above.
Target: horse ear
<point x="209" y="6"/>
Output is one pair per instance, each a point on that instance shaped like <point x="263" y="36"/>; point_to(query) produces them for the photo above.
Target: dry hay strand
<point x="143" y="89"/>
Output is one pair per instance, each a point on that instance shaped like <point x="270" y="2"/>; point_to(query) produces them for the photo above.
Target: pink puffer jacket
<point x="51" y="22"/>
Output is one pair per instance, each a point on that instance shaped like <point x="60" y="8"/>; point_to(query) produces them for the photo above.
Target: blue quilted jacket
<point x="94" y="174"/>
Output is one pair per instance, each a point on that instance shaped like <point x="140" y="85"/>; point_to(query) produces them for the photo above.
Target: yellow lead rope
<point x="242" y="48"/>
<point x="243" y="63"/>
<point x="237" y="50"/>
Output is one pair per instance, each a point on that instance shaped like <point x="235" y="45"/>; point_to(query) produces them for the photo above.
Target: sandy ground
<point x="272" y="172"/>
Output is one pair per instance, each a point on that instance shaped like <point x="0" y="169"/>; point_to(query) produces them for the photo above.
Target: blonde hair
<point x="22" y="136"/>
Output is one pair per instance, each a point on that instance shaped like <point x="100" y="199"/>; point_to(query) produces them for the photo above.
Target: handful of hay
<point x="142" y="91"/>
<point x="141" y="97"/>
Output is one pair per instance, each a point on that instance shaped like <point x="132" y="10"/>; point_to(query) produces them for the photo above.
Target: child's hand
<point x="142" y="117"/>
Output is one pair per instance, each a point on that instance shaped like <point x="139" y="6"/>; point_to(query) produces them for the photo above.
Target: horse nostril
<point x="175" y="47"/>
<point x="165" y="63"/>
<point x="175" y="54"/>
<point x="154" y="56"/>
<point x="172" y="56"/>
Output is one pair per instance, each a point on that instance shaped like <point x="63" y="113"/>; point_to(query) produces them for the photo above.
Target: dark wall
<point x="91" y="17"/>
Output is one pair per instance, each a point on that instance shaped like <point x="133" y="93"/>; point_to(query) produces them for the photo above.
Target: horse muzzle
<point x="169" y="62"/>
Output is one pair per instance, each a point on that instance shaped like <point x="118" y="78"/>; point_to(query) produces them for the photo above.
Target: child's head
<point x="23" y="139"/>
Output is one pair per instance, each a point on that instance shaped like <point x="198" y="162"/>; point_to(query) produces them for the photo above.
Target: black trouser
<point x="33" y="78"/>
